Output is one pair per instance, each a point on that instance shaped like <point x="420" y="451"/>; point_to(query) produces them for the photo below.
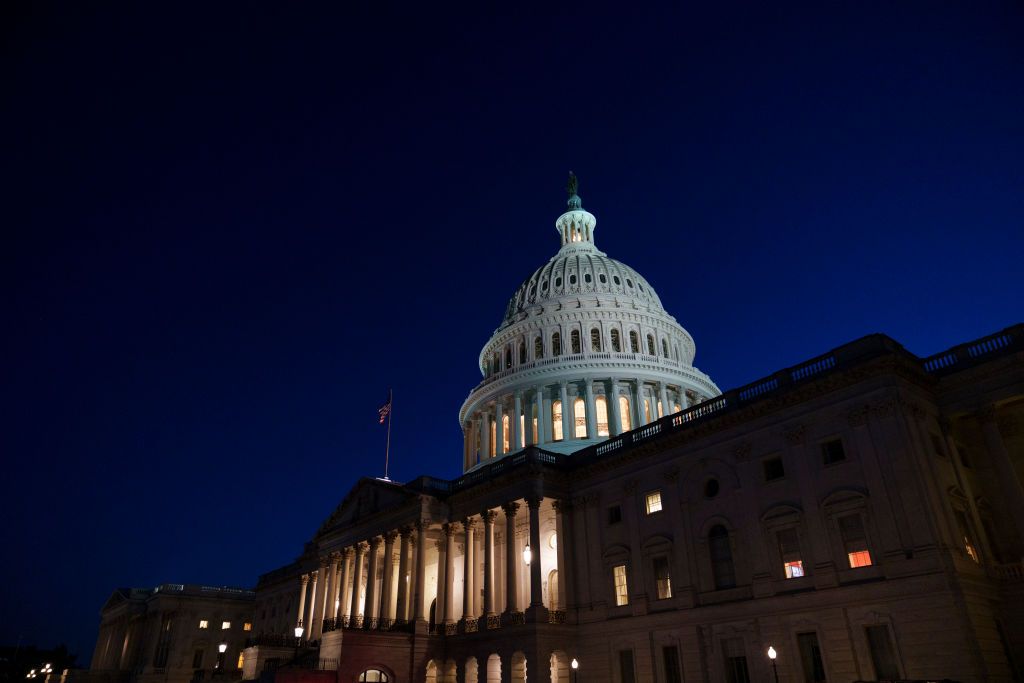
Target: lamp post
<point x="298" y="637"/>
<point x="772" y="654"/>
<point x="575" y="666"/>
<point x="221" y="649"/>
<point x="527" y="555"/>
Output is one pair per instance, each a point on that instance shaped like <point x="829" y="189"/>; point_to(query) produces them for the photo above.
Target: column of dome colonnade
<point x="483" y="578"/>
<point x="584" y="352"/>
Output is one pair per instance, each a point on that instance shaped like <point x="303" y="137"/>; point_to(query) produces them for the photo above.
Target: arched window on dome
<point x="625" y="416"/>
<point x="595" y="339"/>
<point x="505" y="434"/>
<point x="651" y="351"/>
<point x="664" y="347"/>
<point x="508" y="358"/>
<point x="634" y="341"/>
<point x="497" y="362"/>
<point x="579" y="413"/>
<point x="487" y="368"/>
<point x="616" y="341"/>
<point x="522" y="352"/>
<point x="601" y="413"/>
<point x="556" y="344"/>
<point x="574" y="338"/>
<point x="538" y="347"/>
<point x="556" y="420"/>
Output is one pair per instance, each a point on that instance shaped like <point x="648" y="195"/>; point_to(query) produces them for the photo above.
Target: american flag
<point x="385" y="409"/>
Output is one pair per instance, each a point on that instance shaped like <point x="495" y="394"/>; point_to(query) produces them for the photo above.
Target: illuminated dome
<point x="583" y="331"/>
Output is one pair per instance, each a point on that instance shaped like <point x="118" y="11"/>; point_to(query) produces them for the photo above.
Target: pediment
<point x="367" y="498"/>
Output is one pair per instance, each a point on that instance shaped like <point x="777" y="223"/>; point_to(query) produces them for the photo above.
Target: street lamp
<point x="772" y="654"/>
<point x="221" y="649"/>
<point x="527" y="555"/>
<point x="298" y="637"/>
<point x="575" y="665"/>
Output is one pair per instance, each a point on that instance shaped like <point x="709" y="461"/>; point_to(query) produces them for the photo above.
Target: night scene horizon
<point x="236" y="229"/>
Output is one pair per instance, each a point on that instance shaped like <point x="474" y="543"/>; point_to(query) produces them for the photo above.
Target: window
<point x="556" y="420"/>
<point x="373" y="676"/>
<point x="241" y="659"/>
<point x="624" y="414"/>
<point x="616" y="341"/>
<point x="647" y="410"/>
<point x="773" y="469"/>
<point x="614" y="514"/>
<point x="621" y="590"/>
<point x="538" y="348"/>
<point x="558" y="282"/>
<point x="203" y="623"/>
<point x="572" y="279"/>
<point x="664" y="348"/>
<point x="522" y="431"/>
<point x="832" y="452"/>
<point x="662" y="579"/>
<point x="670" y="655"/>
<point x="627" y="675"/>
<point x="163" y="644"/>
<point x="556" y="344"/>
<point x="522" y="353"/>
<point x="603" y="278"/>
<point x="735" y="661"/>
<point x="650" y="346"/>
<point x="810" y="657"/>
<point x="247" y="626"/>
<point x="653" y="502"/>
<point x="225" y="625"/>
<point x="505" y="435"/>
<point x="789" y="551"/>
<point x="616" y="280"/>
<point x="966" y="537"/>
<point x="595" y="339"/>
<point x="855" y="542"/>
<point x="494" y="437"/>
<point x="711" y="488"/>
<point x="508" y="358"/>
<point x="601" y="410"/>
<point x="629" y="283"/>
<point x="197" y="659"/>
<point x="580" y="418"/>
<point x="720" y="549"/>
<point x="587" y="278"/>
<point x="882" y="655"/>
<point x="634" y="342"/>
<point x="574" y="338"/>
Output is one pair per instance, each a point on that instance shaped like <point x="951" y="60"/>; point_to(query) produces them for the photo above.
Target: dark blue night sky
<point x="231" y="229"/>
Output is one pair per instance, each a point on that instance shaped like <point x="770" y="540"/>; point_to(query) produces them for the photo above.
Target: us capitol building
<point x="621" y="519"/>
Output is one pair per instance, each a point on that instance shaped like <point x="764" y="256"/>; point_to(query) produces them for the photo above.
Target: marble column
<point x="468" y="570"/>
<point x="339" y="585"/>
<point x="386" y="597"/>
<point x="499" y="429"/>
<point x="321" y="612"/>
<point x="449" y="572"/>
<point x="405" y="547"/>
<point x="562" y="527"/>
<point x="615" y="428"/>
<point x="357" y="579"/>
<point x="517" y="410"/>
<point x="512" y="558"/>
<point x="487" y="517"/>
<point x="370" y="610"/>
<point x="541" y="431"/>
<point x="536" y="571"/>
<point x="348" y="568"/>
<point x="588" y="388"/>
<point x="313" y="606"/>
<point x="666" y="409"/>
<point x="638" y="401"/>
<point x="563" y="396"/>
<point x="302" y="601"/>
<point x="332" y="582"/>
<point x="485" y="435"/>
<point x="421" y="570"/>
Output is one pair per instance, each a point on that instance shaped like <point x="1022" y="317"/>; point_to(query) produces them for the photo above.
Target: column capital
<point x="347" y="552"/>
<point x="488" y="516"/>
<point x="374" y="542"/>
<point x="468" y="523"/>
<point x="390" y="536"/>
<point x="325" y="560"/>
<point x="421" y="524"/>
<point x="533" y="502"/>
<point x="405" y="531"/>
<point x="361" y="547"/>
<point x="510" y="508"/>
<point x="561" y="504"/>
<point x="450" y="528"/>
<point x="304" y="579"/>
<point x="335" y="556"/>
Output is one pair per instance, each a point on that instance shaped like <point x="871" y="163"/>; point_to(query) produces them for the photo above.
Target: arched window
<point x="553" y="590"/>
<point x="522" y="353"/>
<point x="556" y="420"/>
<point x="494" y="437"/>
<point x="505" y="435"/>
<point x="721" y="558"/>
<point x="579" y="412"/>
<point x="487" y="368"/>
<point x="601" y="410"/>
<point x="556" y="344"/>
<point x="595" y="339"/>
<point x="624" y="414"/>
<point x="664" y="347"/>
<point x="650" y="346"/>
<point x="634" y="341"/>
<point x="538" y="348"/>
<point x="373" y="676"/>
<point x="508" y="358"/>
<point x="616" y="342"/>
<point x="575" y="340"/>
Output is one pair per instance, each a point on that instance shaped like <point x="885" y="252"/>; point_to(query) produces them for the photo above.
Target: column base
<point x="537" y="614"/>
<point x="420" y="626"/>
<point x="513" y="619"/>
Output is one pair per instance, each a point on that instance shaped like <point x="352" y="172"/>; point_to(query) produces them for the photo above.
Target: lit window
<point x="855" y="542"/>
<point x="494" y="437"/>
<point x="556" y="420"/>
<point x="203" y="623"/>
<point x="247" y="626"/>
<point x="553" y="541"/>
<point x="662" y="578"/>
<point x="624" y="414"/>
<point x="373" y="676"/>
<point x="241" y="659"/>
<point x="505" y="436"/>
<point x="522" y="431"/>
<point x="621" y="590"/>
<point x="789" y="550"/>
<point x="647" y="410"/>
<point x="580" y="414"/>
<point x="225" y="625"/>
<point x="601" y="408"/>
<point x="653" y="502"/>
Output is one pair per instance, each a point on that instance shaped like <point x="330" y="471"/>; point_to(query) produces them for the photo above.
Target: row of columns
<point x="478" y="430"/>
<point x="335" y="587"/>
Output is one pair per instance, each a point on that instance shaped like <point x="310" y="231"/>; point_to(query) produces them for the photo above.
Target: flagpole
<point x="387" y="449"/>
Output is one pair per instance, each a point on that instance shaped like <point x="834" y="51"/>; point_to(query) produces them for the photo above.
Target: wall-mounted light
<point x="527" y="555"/>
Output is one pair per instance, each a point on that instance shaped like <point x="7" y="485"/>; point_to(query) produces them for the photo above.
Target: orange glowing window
<point x="794" y="569"/>
<point x="860" y="558"/>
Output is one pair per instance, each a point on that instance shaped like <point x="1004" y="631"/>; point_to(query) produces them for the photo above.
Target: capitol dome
<point x="585" y="351"/>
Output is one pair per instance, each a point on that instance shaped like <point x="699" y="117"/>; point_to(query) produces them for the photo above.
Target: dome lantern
<point x="576" y="226"/>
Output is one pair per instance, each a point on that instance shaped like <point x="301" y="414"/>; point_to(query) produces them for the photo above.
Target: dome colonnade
<point x="585" y="352"/>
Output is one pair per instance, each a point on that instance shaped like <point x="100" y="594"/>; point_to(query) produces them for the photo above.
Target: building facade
<point x="861" y="513"/>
